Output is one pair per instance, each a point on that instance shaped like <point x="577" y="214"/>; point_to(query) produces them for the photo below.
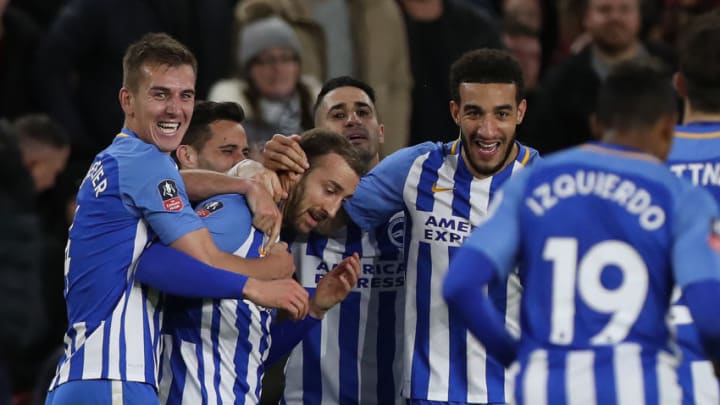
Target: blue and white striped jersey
<point x="214" y="349"/>
<point x="355" y="355"/>
<point x="131" y="193"/>
<point x="602" y="234"/>
<point x="442" y="203"/>
<point x="695" y="155"/>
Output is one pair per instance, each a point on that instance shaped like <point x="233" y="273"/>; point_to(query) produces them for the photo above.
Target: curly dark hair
<point x="486" y="66"/>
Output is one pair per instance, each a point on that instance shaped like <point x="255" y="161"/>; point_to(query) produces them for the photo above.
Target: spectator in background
<point x="523" y="43"/>
<point x="43" y="12"/>
<point x="18" y="38"/>
<point x="77" y="70"/>
<point x="275" y="97"/>
<point x="567" y="95"/>
<point x="44" y="149"/>
<point x="439" y="32"/>
<point x="34" y="150"/>
<point x="366" y="37"/>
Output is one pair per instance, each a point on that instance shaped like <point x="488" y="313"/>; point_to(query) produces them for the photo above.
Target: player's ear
<point x="596" y="128"/>
<point x="125" y="98"/>
<point x="679" y="83"/>
<point x="455" y="112"/>
<point x="187" y="157"/>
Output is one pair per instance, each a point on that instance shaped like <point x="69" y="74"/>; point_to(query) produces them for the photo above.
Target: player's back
<point x="214" y="349"/>
<point x="597" y="256"/>
<point x="695" y="156"/>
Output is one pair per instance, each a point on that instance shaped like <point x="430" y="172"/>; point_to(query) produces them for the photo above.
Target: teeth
<point x="168" y="127"/>
<point x="488" y="147"/>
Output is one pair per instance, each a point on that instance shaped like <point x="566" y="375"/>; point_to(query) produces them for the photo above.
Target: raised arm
<point x="198" y="244"/>
<point x="203" y="184"/>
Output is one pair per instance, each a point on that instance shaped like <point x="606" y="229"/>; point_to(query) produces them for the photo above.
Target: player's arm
<point x="330" y="291"/>
<point x="199" y="244"/>
<point x="379" y="195"/>
<point x="171" y="271"/>
<point x="489" y="252"/>
<point x="203" y="184"/>
<point x="470" y="270"/>
<point x="696" y="263"/>
<point x="701" y="299"/>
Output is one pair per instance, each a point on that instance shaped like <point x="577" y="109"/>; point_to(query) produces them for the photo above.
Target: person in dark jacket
<point x="566" y="97"/>
<point x="439" y="31"/>
<point x="77" y="70"/>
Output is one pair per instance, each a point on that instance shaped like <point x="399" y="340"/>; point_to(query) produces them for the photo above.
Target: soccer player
<point x="601" y="234"/>
<point x="354" y="357"/>
<point x="216" y="349"/>
<point x="444" y="190"/>
<point x="131" y="194"/>
<point x="695" y="155"/>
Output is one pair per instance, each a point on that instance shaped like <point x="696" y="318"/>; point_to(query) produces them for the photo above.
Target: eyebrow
<point x="337" y="185"/>
<point x="168" y="90"/>
<point x="467" y="107"/>
<point x="343" y="105"/>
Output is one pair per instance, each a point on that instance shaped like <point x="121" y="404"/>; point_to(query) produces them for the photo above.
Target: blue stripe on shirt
<point x="421" y="350"/>
<point x="348" y="342"/>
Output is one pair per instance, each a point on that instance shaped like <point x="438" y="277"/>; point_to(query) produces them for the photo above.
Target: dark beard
<point x="492" y="170"/>
<point x="292" y="204"/>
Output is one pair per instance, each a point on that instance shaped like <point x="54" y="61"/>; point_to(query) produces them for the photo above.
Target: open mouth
<point x="356" y="135"/>
<point x="487" y="147"/>
<point x="315" y="218"/>
<point x="168" y="128"/>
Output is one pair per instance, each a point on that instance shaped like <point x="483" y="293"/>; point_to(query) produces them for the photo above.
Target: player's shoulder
<point x="223" y="205"/>
<point x="136" y="156"/>
<point x="527" y="155"/>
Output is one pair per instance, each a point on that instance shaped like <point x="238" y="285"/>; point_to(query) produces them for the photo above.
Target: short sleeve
<point x="151" y="184"/>
<point x="379" y="195"/>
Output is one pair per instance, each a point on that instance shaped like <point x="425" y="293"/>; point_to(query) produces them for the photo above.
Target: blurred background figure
<point x="18" y="40"/>
<point x="364" y="39"/>
<point x="276" y="98"/>
<point x="523" y="43"/>
<point x="33" y="151"/>
<point x="78" y="65"/>
<point x="567" y="94"/>
<point x="438" y="32"/>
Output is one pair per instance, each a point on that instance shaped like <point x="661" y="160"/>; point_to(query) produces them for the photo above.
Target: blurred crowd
<point x="60" y="72"/>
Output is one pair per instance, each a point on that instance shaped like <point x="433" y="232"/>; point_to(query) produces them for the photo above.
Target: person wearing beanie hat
<point x="271" y="90"/>
<point x="271" y="32"/>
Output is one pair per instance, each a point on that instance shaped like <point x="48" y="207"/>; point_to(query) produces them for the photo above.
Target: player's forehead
<point x="227" y="131"/>
<point x="333" y="168"/>
<point x="488" y="95"/>
<point x="178" y="78"/>
<point x="346" y="97"/>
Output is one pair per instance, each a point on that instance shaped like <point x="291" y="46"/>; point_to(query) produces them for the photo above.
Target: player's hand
<point x="252" y="170"/>
<point x="278" y="261"/>
<point x="335" y="286"/>
<point x="283" y="153"/>
<point x="284" y="294"/>
<point x="266" y="215"/>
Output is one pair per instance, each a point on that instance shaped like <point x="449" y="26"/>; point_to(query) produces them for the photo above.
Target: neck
<point x="616" y="57"/>
<point x="373" y="162"/>
<point x="690" y="116"/>
<point x="630" y="139"/>
<point x="423" y="10"/>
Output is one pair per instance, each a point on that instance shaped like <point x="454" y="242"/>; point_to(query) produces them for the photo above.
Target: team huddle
<point x="472" y="272"/>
